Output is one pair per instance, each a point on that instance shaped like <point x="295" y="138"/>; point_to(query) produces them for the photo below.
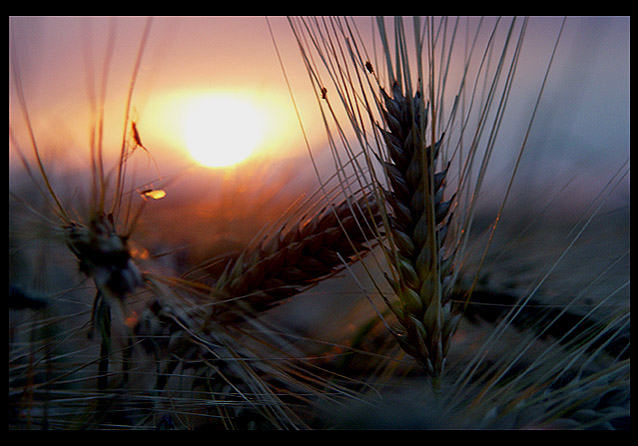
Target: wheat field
<point x="435" y="234"/>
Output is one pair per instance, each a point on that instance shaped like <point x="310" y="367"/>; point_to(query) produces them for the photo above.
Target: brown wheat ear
<point x="417" y="226"/>
<point x="291" y="261"/>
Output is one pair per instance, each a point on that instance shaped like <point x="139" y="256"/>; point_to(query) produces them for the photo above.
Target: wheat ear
<point x="295" y="259"/>
<point x="418" y="223"/>
<point x="416" y="218"/>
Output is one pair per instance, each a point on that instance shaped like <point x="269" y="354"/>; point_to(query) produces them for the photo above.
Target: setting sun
<point x="222" y="130"/>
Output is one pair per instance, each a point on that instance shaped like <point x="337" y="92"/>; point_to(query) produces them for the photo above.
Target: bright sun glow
<point x="222" y="130"/>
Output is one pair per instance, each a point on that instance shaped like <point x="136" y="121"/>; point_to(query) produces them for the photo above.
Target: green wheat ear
<point x="418" y="223"/>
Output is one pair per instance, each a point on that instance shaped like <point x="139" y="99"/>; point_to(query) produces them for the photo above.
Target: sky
<point x="183" y="57"/>
<point x="583" y="122"/>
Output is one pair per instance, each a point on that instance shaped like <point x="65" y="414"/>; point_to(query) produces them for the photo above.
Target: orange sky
<point x="184" y="57"/>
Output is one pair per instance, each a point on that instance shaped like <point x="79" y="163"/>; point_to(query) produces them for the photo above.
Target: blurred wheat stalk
<point x="400" y="202"/>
